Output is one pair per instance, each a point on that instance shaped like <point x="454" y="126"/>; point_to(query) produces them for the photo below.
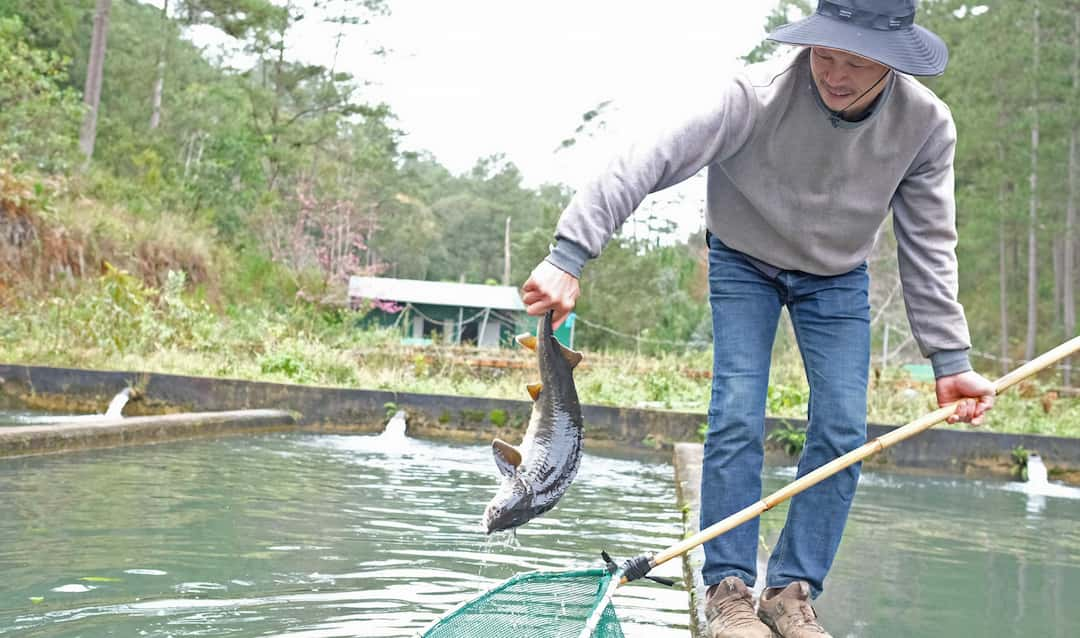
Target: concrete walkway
<point x="687" y="463"/>
<point x="688" y="492"/>
<point x="86" y="434"/>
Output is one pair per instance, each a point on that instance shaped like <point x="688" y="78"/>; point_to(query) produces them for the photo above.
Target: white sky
<point x="471" y="78"/>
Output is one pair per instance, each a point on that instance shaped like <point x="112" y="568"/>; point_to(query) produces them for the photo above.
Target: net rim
<point x="596" y="572"/>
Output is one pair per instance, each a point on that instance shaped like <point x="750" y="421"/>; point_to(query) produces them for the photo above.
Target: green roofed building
<point x="488" y="316"/>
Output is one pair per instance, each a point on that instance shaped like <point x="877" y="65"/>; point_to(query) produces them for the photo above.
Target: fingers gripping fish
<point x="538" y="473"/>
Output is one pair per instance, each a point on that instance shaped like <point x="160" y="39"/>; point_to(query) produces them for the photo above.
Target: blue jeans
<point x="831" y="317"/>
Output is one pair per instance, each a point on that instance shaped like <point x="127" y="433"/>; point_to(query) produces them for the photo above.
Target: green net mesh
<point x="535" y="605"/>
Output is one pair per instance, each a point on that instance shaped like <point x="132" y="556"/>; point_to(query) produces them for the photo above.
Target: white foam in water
<point x="145" y="572"/>
<point x="1038" y="485"/>
<point x="395" y="428"/>
<point x="114" y="411"/>
<point x="72" y="589"/>
<point x="1036" y="470"/>
<point x="393" y="438"/>
<point x="116" y="406"/>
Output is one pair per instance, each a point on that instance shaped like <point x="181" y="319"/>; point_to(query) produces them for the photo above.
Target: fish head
<point x="512" y="506"/>
<point x="556" y="361"/>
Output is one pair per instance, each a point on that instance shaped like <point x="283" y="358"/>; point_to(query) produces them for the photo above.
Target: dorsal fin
<point x="507" y="457"/>
<point x="573" y="357"/>
<point x="534" y="390"/>
<point x="527" y="340"/>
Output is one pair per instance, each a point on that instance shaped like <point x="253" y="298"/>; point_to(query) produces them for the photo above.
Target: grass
<point x="117" y="322"/>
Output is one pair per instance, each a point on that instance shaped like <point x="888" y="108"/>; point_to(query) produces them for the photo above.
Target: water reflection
<point x="305" y="536"/>
<point x="944" y="557"/>
<point x="300" y="536"/>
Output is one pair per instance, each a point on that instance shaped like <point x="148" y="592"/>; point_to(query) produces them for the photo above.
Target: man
<point x="805" y="159"/>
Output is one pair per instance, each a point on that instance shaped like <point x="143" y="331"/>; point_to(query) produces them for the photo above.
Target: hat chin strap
<point x="839" y="115"/>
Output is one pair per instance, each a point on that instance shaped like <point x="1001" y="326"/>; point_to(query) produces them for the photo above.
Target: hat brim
<point x="912" y="50"/>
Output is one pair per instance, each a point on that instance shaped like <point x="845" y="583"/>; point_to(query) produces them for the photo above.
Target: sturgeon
<point x="538" y="472"/>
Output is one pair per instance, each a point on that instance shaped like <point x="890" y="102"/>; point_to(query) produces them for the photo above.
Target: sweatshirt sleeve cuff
<point x="568" y="256"/>
<point x="949" y="362"/>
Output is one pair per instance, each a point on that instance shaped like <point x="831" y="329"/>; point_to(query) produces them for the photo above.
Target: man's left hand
<point x="972" y="392"/>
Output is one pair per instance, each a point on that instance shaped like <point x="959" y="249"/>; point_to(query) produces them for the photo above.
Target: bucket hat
<point x="881" y="30"/>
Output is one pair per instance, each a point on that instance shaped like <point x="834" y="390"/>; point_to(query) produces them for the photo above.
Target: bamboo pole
<point x="917" y="426"/>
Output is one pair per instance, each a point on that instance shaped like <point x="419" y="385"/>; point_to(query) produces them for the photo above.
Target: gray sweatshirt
<point x="797" y="188"/>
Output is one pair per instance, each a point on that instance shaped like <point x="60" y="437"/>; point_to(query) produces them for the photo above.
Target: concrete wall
<point x="109" y="432"/>
<point x="470" y="418"/>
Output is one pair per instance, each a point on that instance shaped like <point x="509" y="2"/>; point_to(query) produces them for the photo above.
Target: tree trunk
<point x="1069" y="301"/>
<point x="1068" y="258"/>
<point x="506" y="254"/>
<point x="94" y="72"/>
<point x="1057" y="251"/>
<point x="275" y="110"/>
<point x="1033" y="207"/>
<point x="159" y="81"/>
<point x="1003" y="270"/>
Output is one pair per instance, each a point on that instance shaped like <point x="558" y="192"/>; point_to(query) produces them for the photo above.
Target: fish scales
<point x="538" y="473"/>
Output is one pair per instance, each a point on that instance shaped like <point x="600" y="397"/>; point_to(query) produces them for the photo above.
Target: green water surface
<point x="319" y="536"/>
<point x="300" y="536"/>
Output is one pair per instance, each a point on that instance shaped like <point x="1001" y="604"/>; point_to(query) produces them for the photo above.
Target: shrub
<point x="1019" y="462"/>
<point x="790" y="438"/>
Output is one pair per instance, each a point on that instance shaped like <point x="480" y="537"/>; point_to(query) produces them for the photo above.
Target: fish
<point x="536" y="474"/>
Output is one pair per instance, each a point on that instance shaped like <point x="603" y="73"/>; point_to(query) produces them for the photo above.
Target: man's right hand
<point x="550" y="288"/>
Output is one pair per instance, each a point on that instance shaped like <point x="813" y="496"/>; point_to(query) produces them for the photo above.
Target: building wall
<point x="497" y="333"/>
<point x="491" y="336"/>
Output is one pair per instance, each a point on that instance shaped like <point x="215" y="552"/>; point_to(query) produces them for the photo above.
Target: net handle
<point x="601" y="605"/>
<point x="917" y="426"/>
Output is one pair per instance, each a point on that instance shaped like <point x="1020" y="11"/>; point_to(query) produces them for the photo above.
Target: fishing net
<point x="538" y="605"/>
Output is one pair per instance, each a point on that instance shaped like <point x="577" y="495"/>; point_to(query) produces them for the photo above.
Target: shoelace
<point x="809" y="617"/>
<point x="737" y="611"/>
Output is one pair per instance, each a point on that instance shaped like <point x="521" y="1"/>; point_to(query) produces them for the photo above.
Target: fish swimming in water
<point x="538" y="473"/>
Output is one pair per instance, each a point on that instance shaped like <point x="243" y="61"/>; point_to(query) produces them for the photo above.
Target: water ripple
<point x="299" y="536"/>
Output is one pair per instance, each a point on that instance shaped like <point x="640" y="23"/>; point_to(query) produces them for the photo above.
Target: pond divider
<point x="613" y="429"/>
<point x="51" y="438"/>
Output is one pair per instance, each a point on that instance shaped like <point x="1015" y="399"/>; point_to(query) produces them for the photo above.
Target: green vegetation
<point x="652" y="442"/>
<point x="1019" y="462"/>
<point x="117" y="322"/>
<point x="472" y="416"/>
<point x="790" y="438"/>
<point x="498" y="417"/>
<point x="218" y="240"/>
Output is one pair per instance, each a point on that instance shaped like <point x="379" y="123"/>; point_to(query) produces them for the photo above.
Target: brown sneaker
<point x="788" y="612"/>
<point x="729" y="610"/>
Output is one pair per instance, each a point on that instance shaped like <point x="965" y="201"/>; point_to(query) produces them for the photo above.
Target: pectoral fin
<point x="527" y="340"/>
<point x="534" y="390"/>
<point x="507" y="457"/>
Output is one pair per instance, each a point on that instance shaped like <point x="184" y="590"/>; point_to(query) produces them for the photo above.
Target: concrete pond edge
<point x="55" y="438"/>
<point x="330" y="409"/>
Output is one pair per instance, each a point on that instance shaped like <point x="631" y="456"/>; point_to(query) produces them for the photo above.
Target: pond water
<point x="313" y="536"/>
<point x="10" y="415"/>
<point x="300" y="536"/>
<point x="955" y="557"/>
<point x="22" y="417"/>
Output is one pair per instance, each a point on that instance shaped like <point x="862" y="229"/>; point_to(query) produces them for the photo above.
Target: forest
<point x="153" y="196"/>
